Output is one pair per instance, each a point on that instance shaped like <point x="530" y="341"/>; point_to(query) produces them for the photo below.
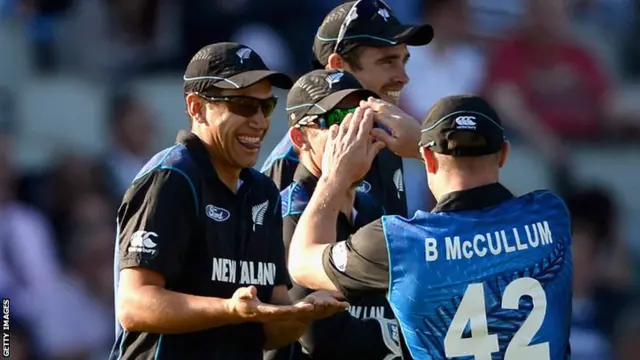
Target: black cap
<point x="232" y="66"/>
<point x="468" y="113"/>
<point x="319" y="91"/>
<point x="373" y="24"/>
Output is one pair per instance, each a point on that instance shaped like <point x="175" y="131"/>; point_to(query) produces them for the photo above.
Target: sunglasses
<point x="331" y="117"/>
<point x="246" y="106"/>
<point x="362" y="9"/>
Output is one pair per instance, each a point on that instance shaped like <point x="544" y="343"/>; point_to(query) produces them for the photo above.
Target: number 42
<point x="481" y="344"/>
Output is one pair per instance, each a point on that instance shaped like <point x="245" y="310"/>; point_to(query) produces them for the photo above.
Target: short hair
<point x="204" y="87"/>
<point x="466" y="164"/>
<point x="465" y="139"/>
<point x="352" y="57"/>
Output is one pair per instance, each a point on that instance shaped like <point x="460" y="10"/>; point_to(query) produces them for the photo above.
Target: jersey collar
<point x="473" y="199"/>
<point x="200" y="155"/>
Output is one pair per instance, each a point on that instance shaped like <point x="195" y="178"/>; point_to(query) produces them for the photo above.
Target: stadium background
<point x="89" y="89"/>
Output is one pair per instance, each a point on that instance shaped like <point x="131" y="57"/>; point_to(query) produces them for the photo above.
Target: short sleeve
<point x="155" y="223"/>
<point x="360" y="264"/>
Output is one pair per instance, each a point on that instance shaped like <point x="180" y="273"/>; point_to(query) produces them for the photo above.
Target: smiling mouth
<point x="392" y="93"/>
<point x="250" y="142"/>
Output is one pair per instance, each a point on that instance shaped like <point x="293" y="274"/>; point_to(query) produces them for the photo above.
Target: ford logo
<point x="364" y="187"/>
<point x="217" y="214"/>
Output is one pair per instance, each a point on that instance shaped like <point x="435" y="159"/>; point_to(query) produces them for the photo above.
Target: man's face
<point x="235" y="137"/>
<point x="382" y="70"/>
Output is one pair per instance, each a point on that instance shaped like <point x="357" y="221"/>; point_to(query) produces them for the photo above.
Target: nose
<point x="401" y="76"/>
<point x="259" y="121"/>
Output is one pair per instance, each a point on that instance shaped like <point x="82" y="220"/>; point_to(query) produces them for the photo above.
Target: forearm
<point x="316" y="227"/>
<point x="317" y="223"/>
<point x="282" y="333"/>
<point x="155" y="309"/>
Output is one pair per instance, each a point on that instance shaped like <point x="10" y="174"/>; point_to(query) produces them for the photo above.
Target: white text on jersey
<point x="366" y="312"/>
<point x="495" y="243"/>
<point x="250" y="272"/>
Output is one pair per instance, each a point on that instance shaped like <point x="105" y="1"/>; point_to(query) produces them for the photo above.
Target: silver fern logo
<point x="397" y="180"/>
<point x="243" y="54"/>
<point x="334" y="78"/>
<point x="384" y="14"/>
<point x="257" y="213"/>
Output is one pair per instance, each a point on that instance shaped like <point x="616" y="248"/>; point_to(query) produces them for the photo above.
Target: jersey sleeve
<point x="360" y="264"/>
<point x="155" y="223"/>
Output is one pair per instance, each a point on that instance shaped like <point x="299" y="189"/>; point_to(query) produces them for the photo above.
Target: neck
<point x="228" y="175"/>
<point x="460" y="183"/>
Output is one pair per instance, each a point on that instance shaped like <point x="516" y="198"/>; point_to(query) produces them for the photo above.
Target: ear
<point x="429" y="159"/>
<point x="195" y="107"/>
<point x="297" y="138"/>
<point x="504" y="153"/>
<point x="334" y="62"/>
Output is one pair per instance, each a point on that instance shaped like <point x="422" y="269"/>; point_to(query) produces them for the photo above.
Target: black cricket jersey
<point x="384" y="181"/>
<point x="180" y="220"/>
<point x="349" y="335"/>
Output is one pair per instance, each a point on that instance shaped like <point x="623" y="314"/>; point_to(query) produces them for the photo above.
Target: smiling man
<point x="199" y="256"/>
<point x="366" y="39"/>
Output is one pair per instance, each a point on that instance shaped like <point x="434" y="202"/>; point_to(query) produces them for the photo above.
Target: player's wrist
<point x="333" y="184"/>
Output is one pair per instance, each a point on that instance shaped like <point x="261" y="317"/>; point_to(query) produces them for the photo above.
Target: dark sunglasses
<point x="361" y="10"/>
<point x="245" y="106"/>
<point x="331" y="117"/>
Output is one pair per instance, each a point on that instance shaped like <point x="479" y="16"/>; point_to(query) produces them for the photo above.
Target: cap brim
<point x="249" y="78"/>
<point x="334" y="99"/>
<point x="412" y="35"/>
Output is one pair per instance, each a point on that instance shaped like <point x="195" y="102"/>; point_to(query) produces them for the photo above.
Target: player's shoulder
<point x="545" y="198"/>
<point x="294" y="199"/>
<point x="174" y="161"/>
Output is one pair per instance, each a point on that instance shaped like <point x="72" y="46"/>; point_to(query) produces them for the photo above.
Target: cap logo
<point x="334" y="78"/>
<point x="384" y="13"/>
<point x="466" y="122"/>
<point x="243" y="54"/>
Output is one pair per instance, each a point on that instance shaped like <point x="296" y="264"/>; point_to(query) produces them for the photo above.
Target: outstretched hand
<point x="246" y="304"/>
<point x="326" y="303"/>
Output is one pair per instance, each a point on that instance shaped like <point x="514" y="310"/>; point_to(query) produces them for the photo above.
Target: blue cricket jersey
<point x="484" y="284"/>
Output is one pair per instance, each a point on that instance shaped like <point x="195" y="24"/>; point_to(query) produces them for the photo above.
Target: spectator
<point x="627" y="341"/>
<point x="599" y="294"/>
<point x="29" y="269"/>
<point x="70" y="176"/>
<point x="450" y="65"/>
<point x="132" y="136"/>
<point x="548" y="88"/>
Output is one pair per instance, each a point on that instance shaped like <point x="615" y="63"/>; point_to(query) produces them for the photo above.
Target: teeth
<point x="394" y="94"/>
<point x="249" y="139"/>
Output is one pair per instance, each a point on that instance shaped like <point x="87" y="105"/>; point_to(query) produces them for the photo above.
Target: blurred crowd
<point x="561" y="72"/>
